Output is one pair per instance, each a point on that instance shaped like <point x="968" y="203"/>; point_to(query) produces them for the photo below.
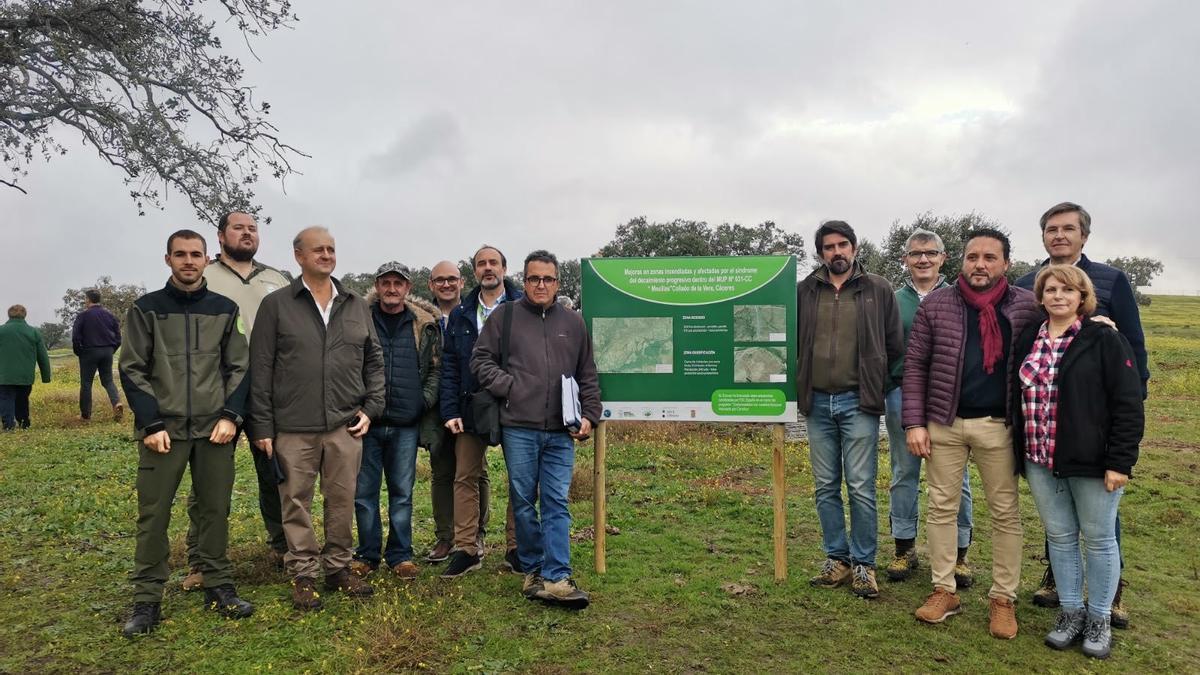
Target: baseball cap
<point x="394" y="267"/>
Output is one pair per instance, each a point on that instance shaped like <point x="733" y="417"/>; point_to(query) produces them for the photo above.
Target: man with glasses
<point x="457" y="387"/>
<point x="445" y="283"/>
<point x="548" y="344"/>
<point x="924" y="256"/>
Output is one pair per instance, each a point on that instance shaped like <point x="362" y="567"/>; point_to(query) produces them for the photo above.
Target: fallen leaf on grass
<point x="589" y="533"/>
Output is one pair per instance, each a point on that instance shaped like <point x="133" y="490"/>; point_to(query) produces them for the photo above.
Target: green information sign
<point x="704" y="338"/>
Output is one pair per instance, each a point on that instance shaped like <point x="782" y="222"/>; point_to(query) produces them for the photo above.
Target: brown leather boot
<point x="347" y="583"/>
<point x="304" y="594"/>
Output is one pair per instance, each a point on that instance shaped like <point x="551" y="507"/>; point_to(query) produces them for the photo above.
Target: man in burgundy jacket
<point x="955" y="407"/>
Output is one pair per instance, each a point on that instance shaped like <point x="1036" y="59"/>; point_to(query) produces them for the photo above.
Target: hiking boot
<point x="224" y="599"/>
<point x="864" y="585"/>
<point x="146" y="616"/>
<point x="440" y="552"/>
<point x="1068" y="628"/>
<point x="563" y="593"/>
<point x="304" y="594"/>
<point x="1097" y="637"/>
<point x="964" y="576"/>
<point x="1002" y="618"/>
<point x="533" y="585"/>
<point x="275" y="558"/>
<point x="118" y="411"/>
<point x="461" y="563"/>
<point x="346" y="582"/>
<point x="939" y="606"/>
<point x="406" y="570"/>
<point x="834" y="573"/>
<point x="512" y="563"/>
<point x="361" y="568"/>
<point x="902" y="565"/>
<point x="1047" y="593"/>
<point x="1120" y="615"/>
<point x="194" y="580"/>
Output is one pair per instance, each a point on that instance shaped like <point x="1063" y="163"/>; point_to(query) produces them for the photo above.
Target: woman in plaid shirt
<point x="1078" y="420"/>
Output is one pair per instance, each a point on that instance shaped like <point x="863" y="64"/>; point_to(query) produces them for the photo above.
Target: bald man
<point x="317" y="381"/>
<point x="445" y="283"/>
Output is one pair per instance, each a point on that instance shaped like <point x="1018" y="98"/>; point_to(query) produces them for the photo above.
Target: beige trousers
<point x="989" y="442"/>
<point x="335" y="456"/>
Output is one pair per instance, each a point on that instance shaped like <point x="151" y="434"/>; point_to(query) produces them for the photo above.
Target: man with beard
<point x="457" y="387"/>
<point x="955" y="409"/>
<point x="183" y="368"/>
<point x="849" y="334"/>
<point x="235" y="274"/>
<point x="445" y="283"/>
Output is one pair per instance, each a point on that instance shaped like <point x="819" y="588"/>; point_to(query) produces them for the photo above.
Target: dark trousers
<point x="158" y="478"/>
<point x="441" y="487"/>
<point x="268" y="506"/>
<point x="14" y="405"/>
<point x="94" y="360"/>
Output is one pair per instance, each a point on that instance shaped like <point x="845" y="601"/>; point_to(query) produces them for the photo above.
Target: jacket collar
<point x="511" y="292"/>
<point x="821" y="274"/>
<point x="186" y="296"/>
<point x="941" y="282"/>
<point x="1083" y="264"/>
<point x="256" y="267"/>
<point x="297" y="287"/>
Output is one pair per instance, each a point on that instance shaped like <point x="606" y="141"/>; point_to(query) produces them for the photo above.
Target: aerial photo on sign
<point x="698" y="338"/>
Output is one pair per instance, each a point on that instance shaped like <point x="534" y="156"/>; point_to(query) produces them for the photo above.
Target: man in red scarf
<point x="955" y="408"/>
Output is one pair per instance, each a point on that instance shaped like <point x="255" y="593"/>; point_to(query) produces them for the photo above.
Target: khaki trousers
<point x="471" y="496"/>
<point x="988" y="440"/>
<point x="335" y="456"/>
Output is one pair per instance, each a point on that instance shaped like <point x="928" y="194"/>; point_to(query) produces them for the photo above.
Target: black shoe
<point x="146" y="616"/>
<point x="512" y="563"/>
<point x="461" y="563"/>
<point x="225" y="601"/>
<point x="1047" y="593"/>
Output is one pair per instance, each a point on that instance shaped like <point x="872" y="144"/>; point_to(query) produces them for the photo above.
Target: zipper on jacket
<point x="833" y="342"/>
<point x="549" y="378"/>
<point x="187" y="355"/>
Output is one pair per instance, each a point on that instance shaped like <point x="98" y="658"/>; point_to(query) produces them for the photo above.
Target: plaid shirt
<point x="1039" y="392"/>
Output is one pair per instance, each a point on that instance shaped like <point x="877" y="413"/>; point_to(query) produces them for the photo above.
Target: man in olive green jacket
<point x="183" y="367"/>
<point x="317" y="384"/>
<point x="21" y="347"/>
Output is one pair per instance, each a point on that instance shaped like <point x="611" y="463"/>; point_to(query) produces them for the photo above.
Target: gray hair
<point x="925" y="235"/>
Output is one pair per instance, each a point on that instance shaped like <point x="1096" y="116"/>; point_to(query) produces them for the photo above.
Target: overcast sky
<point x="436" y="127"/>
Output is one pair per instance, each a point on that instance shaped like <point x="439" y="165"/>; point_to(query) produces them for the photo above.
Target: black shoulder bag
<point x="485" y="408"/>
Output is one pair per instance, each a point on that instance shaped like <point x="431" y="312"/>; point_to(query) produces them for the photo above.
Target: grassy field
<point x="693" y="507"/>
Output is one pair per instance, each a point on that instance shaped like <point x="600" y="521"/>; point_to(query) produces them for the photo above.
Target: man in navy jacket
<point x="1065" y="229"/>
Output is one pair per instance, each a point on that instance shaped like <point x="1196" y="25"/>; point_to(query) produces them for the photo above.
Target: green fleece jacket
<point x="909" y="300"/>
<point x="21" y="347"/>
<point x="184" y="361"/>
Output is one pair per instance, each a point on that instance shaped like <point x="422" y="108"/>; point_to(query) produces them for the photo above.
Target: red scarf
<point x="989" y="327"/>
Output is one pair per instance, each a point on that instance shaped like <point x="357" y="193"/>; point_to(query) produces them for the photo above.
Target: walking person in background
<point x="21" y="348"/>
<point x="95" y="337"/>
<point x="1078" y="421"/>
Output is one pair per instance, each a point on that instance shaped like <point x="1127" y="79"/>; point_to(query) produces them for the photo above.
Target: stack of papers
<point x="572" y="418"/>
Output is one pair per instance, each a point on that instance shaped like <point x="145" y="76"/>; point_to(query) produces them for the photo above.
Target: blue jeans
<point x="540" y="464"/>
<point x="1070" y="507"/>
<point x="842" y="441"/>
<point x="903" y="511"/>
<point x="391" y="452"/>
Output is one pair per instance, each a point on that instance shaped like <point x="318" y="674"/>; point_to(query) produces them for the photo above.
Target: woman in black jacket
<point x="1078" y="420"/>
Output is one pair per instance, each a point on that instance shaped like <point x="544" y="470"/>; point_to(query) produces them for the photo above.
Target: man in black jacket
<point x="548" y="343"/>
<point x="95" y="337"/>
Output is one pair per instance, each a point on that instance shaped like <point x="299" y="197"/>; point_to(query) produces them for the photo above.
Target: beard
<point x="839" y="265"/>
<point x="239" y="254"/>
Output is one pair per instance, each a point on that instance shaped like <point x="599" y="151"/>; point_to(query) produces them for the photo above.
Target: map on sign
<point x="760" y="364"/>
<point x="759" y="323"/>
<point x="629" y="344"/>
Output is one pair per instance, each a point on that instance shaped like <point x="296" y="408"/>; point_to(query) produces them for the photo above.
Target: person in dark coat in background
<point x="95" y="337"/>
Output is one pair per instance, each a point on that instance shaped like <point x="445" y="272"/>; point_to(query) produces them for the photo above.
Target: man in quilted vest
<point x="955" y="400"/>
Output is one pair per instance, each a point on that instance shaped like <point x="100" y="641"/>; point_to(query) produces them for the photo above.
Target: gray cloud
<point x="429" y="139"/>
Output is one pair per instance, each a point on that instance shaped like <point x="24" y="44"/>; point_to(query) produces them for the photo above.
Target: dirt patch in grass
<point x="748" y="480"/>
<point x="1172" y="444"/>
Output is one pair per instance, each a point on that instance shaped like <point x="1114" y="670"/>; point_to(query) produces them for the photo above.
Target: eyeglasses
<point x="541" y="281"/>
<point x="917" y="255"/>
<point x="445" y="281"/>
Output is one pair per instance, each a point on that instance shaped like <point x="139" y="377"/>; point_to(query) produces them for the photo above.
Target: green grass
<point x="694" y="509"/>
